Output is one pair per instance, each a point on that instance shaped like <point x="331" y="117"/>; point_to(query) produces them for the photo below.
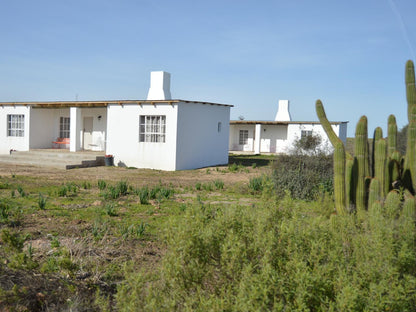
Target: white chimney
<point x="159" y="86"/>
<point x="283" y="111"/>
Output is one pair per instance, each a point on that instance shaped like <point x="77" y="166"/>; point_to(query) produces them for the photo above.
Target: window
<point x="305" y="133"/>
<point x="243" y="137"/>
<point x="64" y="127"/>
<point x="219" y="126"/>
<point x="16" y="125"/>
<point x="152" y="129"/>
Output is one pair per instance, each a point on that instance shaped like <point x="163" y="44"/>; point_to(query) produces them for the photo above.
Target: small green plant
<point x="63" y="191"/>
<point x="86" y="185"/>
<point x="208" y="171"/>
<point x="208" y="187"/>
<point x="13" y="240"/>
<point x="4" y="186"/>
<point x="42" y="201"/>
<point x="21" y="191"/>
<point x="55" y="243"/>
<point x="254" y="166"/>
<point x="143" y="195"/>
<point x="13" y="194"/>
<point x="256" y="184"/>
<point x="122" y="188"/>
<point x="111" y="209"/>
<point x="4" y="212"/>
<point x="219" y="184"/>
<point x="198" y="186"/>
<point x="134" y="230"/>
<point x="233" y="167"/>
<point x="101" y="185"/>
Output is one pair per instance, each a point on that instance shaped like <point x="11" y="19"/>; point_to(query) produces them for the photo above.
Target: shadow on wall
<point x="249" y="160"/>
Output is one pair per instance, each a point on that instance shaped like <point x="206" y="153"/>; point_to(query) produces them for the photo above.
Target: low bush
<point x="293" y="256"/>
<point x="303" y="176"/>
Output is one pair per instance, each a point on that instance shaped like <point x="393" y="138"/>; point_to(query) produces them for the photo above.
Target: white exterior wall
<point x="44" y="126"/>
<point x="295" y="131"/>
<point x="123" y="136"/>
<point x="199" y="143"/>
<point x="15" y="143"/>
<point x="234" y="139"/>
<point x="98" y="126"/>
<point x="281" y="138"/>
<point x="273" y="138"/>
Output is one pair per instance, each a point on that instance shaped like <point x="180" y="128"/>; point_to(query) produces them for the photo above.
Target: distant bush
<point x="303" y="176"/>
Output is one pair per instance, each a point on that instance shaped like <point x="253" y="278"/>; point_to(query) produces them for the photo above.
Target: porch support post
<point x="75" y="129"/>
<point x="257" y="139"/>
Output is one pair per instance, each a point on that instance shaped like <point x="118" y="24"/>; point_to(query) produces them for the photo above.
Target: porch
<point x="54" y="158"/>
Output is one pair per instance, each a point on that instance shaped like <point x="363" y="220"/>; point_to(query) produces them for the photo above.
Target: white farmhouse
<point x="278" y="136"/>
<point x="157" y="133"/>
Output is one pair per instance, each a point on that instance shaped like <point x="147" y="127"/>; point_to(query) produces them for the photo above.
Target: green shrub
<point x="4" y="212"/>
<point x="305" y="177"/>
<point x="198" y="186"/>
<point x="293" y="256"/>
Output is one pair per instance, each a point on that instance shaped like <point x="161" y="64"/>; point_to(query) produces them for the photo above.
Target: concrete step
<point x="62" y="159"/>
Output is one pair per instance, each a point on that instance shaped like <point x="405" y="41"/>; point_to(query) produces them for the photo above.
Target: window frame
<point x="64" y="127"/>
<point x="306" y="133"/>
<point x="15" y="125"/>
<point x="243" y="137"/>
<point x="152" y="129"/>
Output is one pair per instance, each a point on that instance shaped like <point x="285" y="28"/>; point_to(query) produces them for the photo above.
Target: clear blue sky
<point x="350" y="54"/>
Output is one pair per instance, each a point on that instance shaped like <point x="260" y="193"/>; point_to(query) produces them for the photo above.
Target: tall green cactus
<point x="339" y="178"/>
<point x="380" y="162"/>
<point x="390" y="171"/>
<point x="391" y="135"/>
<point x="361" y="153"/>
<point x="410" y="90"/>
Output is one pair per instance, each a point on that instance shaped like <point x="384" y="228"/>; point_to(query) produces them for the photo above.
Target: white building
<point x="278" y="136"/>
<point x="157" y="133"/>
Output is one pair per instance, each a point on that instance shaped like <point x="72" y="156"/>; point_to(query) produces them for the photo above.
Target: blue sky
<point x="350" y="54"/>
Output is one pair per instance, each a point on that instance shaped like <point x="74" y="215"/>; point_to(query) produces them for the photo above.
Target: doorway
<point x="87" y="137"/>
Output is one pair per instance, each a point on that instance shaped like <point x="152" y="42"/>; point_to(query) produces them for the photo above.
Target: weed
<point x="219" y="184"/>
<point x="122" y="188"/>
<point x="13" y="194"/>
<point x="86" y="185"/>
<point x="4" y="186"/>
<point x="208" y="187"/>
<point x="55" y="243"/>
<point x="134" y="230"/>
<point x="4" y="212"/>
<point x="102" y="185"/>
<point x="41" y="202"/>
<point x="144" y="195"/>
<point x="208" y="171"/>
<point x="111" y="210"/>
<point x="254" y="166"/>
<point x="21" y="191"/>
<point x="198" y="186"/>
<point x="13" y="240"/>
<point x="256" y="184"/>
